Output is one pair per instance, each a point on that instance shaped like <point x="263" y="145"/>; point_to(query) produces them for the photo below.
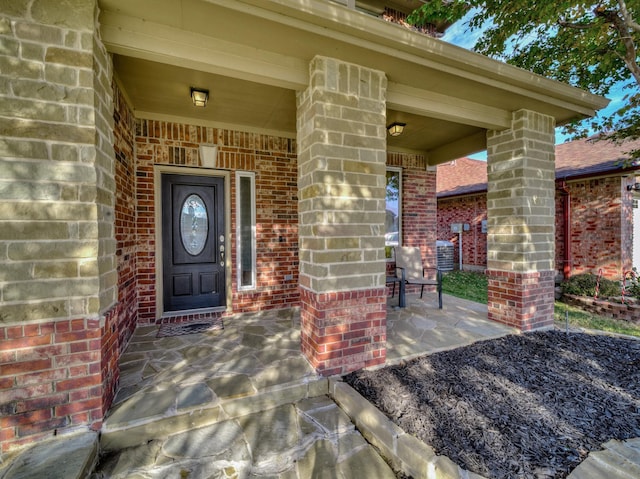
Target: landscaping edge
<point x="603" y="307"/>
<point x="405" y="452"/>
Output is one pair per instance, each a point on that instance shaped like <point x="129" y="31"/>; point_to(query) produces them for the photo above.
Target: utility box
<point x="444" y="254"/>
<point x="459" y="227"/>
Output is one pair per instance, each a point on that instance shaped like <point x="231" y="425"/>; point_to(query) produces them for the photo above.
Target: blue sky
<point x="460" y="35"/>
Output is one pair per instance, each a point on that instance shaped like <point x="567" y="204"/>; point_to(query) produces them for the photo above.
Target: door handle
<point x="221" y="252"/>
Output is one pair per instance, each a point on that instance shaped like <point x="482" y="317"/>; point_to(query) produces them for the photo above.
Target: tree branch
<point x="627" y="18"/>
<point x="621" y="27"/>
<point x="577" y="26"/>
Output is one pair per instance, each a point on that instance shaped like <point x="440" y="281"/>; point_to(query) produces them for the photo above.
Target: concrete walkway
<point x="243" y="402"/>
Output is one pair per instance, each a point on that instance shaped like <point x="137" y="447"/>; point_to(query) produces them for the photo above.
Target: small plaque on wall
<point x="208" y="156"/>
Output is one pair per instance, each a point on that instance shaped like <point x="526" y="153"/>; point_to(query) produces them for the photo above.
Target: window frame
<point x="239" y="239"/>
<point x="395" y="169"/>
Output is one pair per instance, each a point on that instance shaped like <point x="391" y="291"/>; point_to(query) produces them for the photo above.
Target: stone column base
<point x="344" y="331"/>
<point x="521" y="300"/>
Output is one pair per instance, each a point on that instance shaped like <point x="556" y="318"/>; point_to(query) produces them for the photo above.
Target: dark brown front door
<point x="193" y="242"/>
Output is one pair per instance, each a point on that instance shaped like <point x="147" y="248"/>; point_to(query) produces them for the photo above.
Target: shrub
<point x="585" y="285"/>
<point x="633" y="285"/>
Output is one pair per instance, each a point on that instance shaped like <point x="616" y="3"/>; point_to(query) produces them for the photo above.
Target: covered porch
<point x="295" y="131"/>
<point x="181" y="387"/>
<point x="126" y="205"/>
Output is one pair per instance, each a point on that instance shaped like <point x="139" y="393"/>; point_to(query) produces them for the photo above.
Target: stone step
<point x="311" y="438"/>
<point x="618" y="460"/>
<point x="152" y="415"/>
<point x="69" y="456"/>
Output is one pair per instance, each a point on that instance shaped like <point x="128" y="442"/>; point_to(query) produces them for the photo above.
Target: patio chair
<point x="410" y="270"/>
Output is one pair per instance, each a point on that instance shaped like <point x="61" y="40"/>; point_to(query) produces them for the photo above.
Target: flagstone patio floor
<point x="244" y="402"/>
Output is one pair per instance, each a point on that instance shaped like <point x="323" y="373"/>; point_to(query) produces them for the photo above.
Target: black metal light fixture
<point x="633" y="187"/>
<point x="199" y="96"/>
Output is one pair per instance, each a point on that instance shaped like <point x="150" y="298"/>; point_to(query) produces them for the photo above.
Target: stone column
<point x="342" y="186"/>
<point x="57" y="264"/>
<point x="521" y="221"/>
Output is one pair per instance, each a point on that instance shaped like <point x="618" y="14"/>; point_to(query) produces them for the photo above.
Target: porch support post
<point x="521" y="220"/>
<point x="58" y="304"/>
<point x="342" y="185"/>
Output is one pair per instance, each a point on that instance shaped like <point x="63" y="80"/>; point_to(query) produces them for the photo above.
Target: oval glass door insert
<point x="194" y="224"/>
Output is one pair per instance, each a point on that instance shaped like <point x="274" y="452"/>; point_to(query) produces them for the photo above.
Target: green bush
<point x="633" y="286"/>
<point x="585" y="285"/>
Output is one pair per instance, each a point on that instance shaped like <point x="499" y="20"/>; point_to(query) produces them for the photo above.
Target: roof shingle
<point x="576" y="158"/>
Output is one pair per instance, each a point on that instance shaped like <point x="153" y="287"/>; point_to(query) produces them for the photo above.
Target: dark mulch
<point x="525" y="406"/>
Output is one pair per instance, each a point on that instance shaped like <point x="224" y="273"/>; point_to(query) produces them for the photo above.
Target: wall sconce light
<point x="633" y="187"/>
<point x="199" y="96"/>
<point x="396" y="128"/>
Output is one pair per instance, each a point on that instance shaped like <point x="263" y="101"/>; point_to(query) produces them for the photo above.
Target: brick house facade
<point x="96" y="114"/>
<point x="591" y="185"/>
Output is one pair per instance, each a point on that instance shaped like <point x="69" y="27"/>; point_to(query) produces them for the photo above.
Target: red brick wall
<point x="120" y="323"/>
<point x="419" y="208"/>
<point x="344" y="331"/>
<point x="63" y="374"/>
<point x="509" y="292"/>
<point x="273" y="159"/>
<point x="50" y="379"/>
<point x="601" y="227"/>
<point x="601" y="223"/>
<point x="628" y="311"/>
<point x="471" y="209"/>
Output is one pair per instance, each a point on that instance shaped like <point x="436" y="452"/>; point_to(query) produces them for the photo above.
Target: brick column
<point x="521" y="221"/>
<point x="57" y="266"/>
<point x="341" y="181"/>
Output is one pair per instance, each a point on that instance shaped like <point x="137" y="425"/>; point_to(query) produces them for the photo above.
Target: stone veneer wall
<point x="341" y="178"/>
<point x="57" y="270"/>
<point x="273" y="159"/>
<point x="521" y="222"/>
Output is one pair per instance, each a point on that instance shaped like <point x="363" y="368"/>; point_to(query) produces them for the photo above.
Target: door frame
<point x="158" y="171"/>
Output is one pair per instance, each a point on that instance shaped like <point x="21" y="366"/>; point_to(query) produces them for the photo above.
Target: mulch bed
<point x="525" y="406"/>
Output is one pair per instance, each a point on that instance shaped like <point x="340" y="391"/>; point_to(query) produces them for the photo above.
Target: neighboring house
<point x="595" y="209"/>
<point x="125" y="203"/>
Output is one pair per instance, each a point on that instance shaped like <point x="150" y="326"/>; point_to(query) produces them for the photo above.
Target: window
<point x="246" y="229"/>
<point x="392" y="223"/>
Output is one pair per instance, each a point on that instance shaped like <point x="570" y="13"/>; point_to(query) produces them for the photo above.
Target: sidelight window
<point x="393" y="213"/>
<point x="246" y="229"/>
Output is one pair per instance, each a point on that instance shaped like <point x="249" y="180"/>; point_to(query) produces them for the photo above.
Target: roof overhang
<point x="254" y="55"/>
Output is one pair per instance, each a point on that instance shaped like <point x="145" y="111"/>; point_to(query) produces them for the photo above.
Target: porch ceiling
<point x="253" y="55"/>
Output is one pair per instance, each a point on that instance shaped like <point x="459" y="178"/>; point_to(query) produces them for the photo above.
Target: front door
<point x="193" y="242"/>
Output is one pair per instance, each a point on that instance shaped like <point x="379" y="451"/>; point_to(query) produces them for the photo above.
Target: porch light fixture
<point x="199" y="96"/>
<point x="633" y="187"/>
<point x="396" y="128"/>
